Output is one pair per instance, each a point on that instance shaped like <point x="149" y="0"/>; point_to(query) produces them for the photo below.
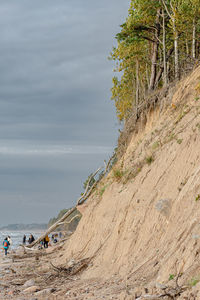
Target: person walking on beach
<point x="24" y="239"/>
<point x="46" y="241"/>
<point x="31" y="239"/>
<point x="6" y="245"/>
<point x="9" y="241"/>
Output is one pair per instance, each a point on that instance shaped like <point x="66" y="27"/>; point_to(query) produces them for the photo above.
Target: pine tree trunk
<point x="147" y="76"/>
<point x="164" y="51"/>
<point x="176" y="54"/>
<point x="194" y="40"/>
<point x="175" y="32"/>
<point x="137" y="84"/>
<point x="187" y="47"/>
<point x="155" y="53"/>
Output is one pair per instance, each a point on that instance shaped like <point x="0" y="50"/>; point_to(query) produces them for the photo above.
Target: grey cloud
<point x="55" y="85"/>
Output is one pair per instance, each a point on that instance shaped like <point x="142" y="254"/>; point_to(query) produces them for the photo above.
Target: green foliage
<point x="133" y="172"/>
<point x="142" y="44"/>
<point x="149" y="159"/>
<point x="55" y="219"/>
<point x="197" y="198"/>
<point x="171" y="137"/>
<point x="71" y="226"/>
<point x="182" y="114"/>
<point x="198" y="125"/>
<point x="118" y="173"/>
<point x="171" y="276"/>
<point x="102" y="190"/>
<point x="155" y="145"/>
<point x="91" y="179"/>
<point x="114" y="159"/>
<point x="194" y="281"/>
<point x="179" y="141"/>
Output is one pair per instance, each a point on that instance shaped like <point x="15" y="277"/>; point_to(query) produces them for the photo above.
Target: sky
<point x="57" y="122"/>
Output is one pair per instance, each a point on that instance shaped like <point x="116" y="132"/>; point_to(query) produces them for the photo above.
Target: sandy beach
<point x="31" y="275"/>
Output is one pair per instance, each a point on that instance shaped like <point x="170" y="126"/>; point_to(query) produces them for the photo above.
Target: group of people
<point x="30" y="240"/>
<point x="44" y="243"/>
<point x="7" y="244"/>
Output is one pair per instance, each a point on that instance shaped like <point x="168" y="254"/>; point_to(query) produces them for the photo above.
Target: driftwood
<point x="89" y="189"/>
<point x="65" y="222"/>
<point x="170" y="292"/>
<point x="72" y="270"/>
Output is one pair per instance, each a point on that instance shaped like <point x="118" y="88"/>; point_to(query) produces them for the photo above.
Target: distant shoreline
<point x="24" y="227"/>
<point x="23" y="230"/>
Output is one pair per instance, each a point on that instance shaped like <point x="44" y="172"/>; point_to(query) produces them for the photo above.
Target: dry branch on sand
<point x="169" y="291"/>
<point x="72" y="270"/>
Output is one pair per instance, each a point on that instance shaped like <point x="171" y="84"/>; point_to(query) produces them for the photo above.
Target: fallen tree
<point x="88" y="191"/>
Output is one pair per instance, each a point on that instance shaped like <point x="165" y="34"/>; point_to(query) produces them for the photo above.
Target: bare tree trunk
<point x="159" y="74"/>
<point x="187" y="47"/>
<point x="89" y="189"/>
<point x="176" y="54"/>
<point x="137" y="85"/>
<point x="175" y="32"/>
<point x="164" y="50"/>
<point x="155" y="53"/>
<point x="53" y="227"/>
<point x="147" y="76"/>
<point x="153" y="66"/>
<point x="194" y="40"/>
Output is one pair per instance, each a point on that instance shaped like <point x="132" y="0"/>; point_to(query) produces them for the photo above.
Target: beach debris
<point x="32" y="289"/>
<point x="74" y="268"/>
<point x="29" y="283"/>
<point x="45" y="292"/>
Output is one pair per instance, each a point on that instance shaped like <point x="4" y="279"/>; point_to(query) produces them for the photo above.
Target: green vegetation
<point x="171" y="276"/>
<point x="102" y="190"/>
<point x="157" y="44"/>
<point x="91" y="179"/>
<point x="133" y="172"/>
<point x="198" y="125"/>
<point x="149" y="159"/>
<point x="182" y="114"/>
<point x="118" y="173"/>
<point x="194" y="281"/>
<point x="72" y="226"/>
<point x="171" y="137"/>
<point x="179" y="141"/>
<point x="155" y="145"/>
<point x="197" y="197"/>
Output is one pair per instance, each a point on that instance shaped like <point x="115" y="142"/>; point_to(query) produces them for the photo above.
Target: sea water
<point x="17" y="237"/>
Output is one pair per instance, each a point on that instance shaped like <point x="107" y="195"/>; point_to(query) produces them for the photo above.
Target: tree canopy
<point x="158" y="43"/>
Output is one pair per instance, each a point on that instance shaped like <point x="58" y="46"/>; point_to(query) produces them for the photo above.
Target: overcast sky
<point x="57" y="122"/>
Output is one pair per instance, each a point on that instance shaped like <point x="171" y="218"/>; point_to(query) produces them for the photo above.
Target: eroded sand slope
<point x="147" y="223"/>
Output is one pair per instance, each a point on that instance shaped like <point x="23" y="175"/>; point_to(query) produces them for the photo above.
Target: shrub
<point x="102" y="190"/>
<point x="193" y="281"/>
<point x="179" y="141"/>
<point x="198" y="125"/>
<point x="149" y="159"/>
<point x="118" y="174"/>
<point x="155" y="145"/>
<point x="91" y="179"/>
<point x="171" y="276"/>
<point x="197" y="197"/>
<point x="133" y="172"/>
